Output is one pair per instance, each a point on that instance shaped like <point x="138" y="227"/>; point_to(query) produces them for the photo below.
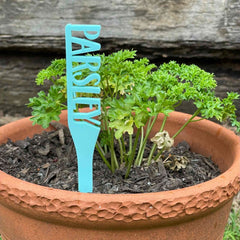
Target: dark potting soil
<point x="49" y="159"/>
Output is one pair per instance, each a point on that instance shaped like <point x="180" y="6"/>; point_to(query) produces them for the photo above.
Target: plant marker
<point x="83" y="126"/>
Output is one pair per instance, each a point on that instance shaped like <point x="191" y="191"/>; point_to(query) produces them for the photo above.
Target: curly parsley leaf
<point x="47" y="107"/>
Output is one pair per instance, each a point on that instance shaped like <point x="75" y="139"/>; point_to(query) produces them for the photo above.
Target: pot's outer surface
<point x="32" y="212"/>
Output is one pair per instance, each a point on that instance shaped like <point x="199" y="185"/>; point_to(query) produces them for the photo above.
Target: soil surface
<point x="50" y="160"/>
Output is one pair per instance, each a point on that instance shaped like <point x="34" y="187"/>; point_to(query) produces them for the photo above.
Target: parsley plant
<point x="133" y="93"/>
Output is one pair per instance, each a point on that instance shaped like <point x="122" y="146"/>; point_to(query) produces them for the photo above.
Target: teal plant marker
<point x="83" y="126"/>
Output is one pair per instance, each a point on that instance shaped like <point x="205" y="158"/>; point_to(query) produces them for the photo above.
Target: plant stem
<point x="186" y="123"/>
<point x="121" y="150"/>
<point x="63" y="105"/>
<point x="142" y="147"/>
<point x="197" y="120"/>
<point x="114" y="162"/>
<point x="178" y="104"/>
<point x="158" y="154"/>
<point x="151" y="153"/>
<point x="109" y="88"/>
<point x="155" y="145"/>
<point x="131" y="157"/>
<point x="163" y="123"/>
<point x="124" y="148"/>
<point x="105" y="148"/>
<point x="101" y="152"/>
<point x="130" y="144"/>
<point x="103" y="88"/>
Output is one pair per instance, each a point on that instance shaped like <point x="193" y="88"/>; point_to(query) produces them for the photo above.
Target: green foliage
<point x="133" y="93"/>
<point x="232" y="230"/>
<point x="53" y="72"/>
<point x="47" y="108"/>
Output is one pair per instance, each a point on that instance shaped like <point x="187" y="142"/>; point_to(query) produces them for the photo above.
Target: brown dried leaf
<point x="175" y="163"/>
<point x="163" y="140"/>
<point x="24" y="171"/>
<point x="44" y="151"/>
<point x="61" y="136"/>
<point x="46" y="165"/>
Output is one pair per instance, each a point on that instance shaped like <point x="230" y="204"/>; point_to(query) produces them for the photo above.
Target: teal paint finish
<point x="83" y="126"/>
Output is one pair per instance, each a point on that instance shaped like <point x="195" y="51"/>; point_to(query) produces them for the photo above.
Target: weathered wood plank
<point x="208" y="27"/>
<point x="17" y="75"/>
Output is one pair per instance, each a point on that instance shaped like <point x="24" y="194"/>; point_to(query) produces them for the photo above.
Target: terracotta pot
<point x="32" y="212"/>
